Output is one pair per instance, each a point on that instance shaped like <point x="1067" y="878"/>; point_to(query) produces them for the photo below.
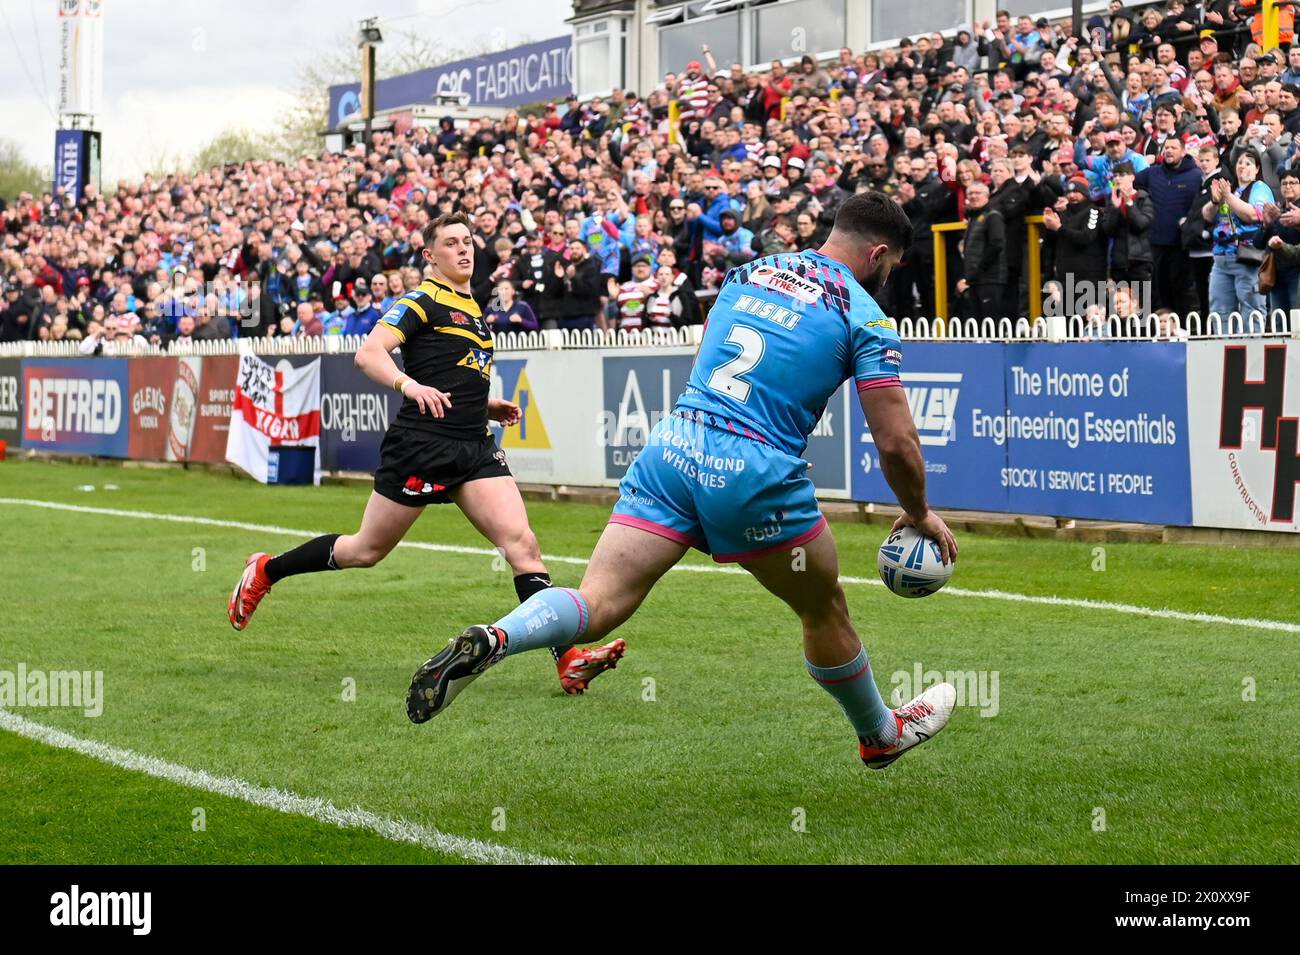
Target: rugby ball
<point x="910" y="564"/>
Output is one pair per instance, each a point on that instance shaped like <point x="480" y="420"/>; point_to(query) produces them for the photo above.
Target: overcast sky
<point x="176" y="72"/>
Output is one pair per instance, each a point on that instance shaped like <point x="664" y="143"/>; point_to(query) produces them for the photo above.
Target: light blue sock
<point x="555" y="617"/>
<point x="855" y="690"/>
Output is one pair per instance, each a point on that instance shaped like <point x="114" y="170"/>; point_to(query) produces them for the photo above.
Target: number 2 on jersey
<point x="728" y="377"/>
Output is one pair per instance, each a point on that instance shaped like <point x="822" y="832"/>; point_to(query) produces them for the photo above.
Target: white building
<point x="631" y="44"/>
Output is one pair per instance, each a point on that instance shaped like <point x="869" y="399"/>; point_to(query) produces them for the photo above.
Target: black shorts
<point x="418" y="468"/>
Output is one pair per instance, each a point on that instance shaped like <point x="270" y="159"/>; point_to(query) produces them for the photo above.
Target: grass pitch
<point x="1117" y="737"/>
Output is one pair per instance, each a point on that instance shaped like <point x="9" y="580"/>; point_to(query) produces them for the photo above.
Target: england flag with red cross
<point x="274" y="407"/>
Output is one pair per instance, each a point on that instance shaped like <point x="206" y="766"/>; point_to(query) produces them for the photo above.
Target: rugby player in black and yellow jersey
<point x="438" y="450"/>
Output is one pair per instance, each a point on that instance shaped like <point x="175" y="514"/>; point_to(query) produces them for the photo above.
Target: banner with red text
<point x="275" y="406"/>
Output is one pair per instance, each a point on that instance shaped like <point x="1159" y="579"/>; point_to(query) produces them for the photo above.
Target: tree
<point x="18" y="175"/>
<point x="301" y="123"/>
<point x="230" y="145"/>
<point x="299" y="126"/>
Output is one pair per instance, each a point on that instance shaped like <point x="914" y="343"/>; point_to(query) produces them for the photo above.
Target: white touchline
<point x="1079" y="602"/>
<point x="320" y="810"/>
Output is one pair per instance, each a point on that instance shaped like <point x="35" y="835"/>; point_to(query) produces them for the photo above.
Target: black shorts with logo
<point x="418" y="468"/>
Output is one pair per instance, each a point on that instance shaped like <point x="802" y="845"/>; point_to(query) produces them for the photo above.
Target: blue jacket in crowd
<point x="1172" y="192"/>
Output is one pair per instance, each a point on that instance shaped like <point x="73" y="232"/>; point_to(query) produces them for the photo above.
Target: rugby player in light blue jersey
<point x="724" y="474"/>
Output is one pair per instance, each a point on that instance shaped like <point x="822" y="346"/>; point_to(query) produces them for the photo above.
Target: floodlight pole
<point x="367" y="44"/>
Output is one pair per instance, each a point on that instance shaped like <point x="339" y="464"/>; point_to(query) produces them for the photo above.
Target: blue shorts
<point x="731" y="496"/>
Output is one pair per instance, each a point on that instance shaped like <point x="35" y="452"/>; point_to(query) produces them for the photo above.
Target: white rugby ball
<point x="910" y="564"/>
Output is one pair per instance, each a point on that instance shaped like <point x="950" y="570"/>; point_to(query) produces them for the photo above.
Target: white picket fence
<point x="553" y="340"/>
<point x="1276" y="324"/>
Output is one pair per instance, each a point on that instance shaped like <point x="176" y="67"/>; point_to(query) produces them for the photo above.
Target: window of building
<point x="681" y="43"/>
<point x="751" y="32"/>
<point x="600" y="49"/>
<point x="785" y="30"/>
<point x="891" y="19"/>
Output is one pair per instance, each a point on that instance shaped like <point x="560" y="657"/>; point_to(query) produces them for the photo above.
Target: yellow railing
<point x="1033" y="224"/>
<point x="1271" y="25"/>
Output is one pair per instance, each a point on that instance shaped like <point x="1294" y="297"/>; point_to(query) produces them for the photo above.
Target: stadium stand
<point x="1101" y="152"/>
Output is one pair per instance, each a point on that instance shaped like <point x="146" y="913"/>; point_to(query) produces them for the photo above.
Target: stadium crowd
<point x="1155" y="154"/>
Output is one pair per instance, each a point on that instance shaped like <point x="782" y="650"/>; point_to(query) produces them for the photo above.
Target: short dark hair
<point x="430" y="232"/>
<point x="873" y="215"/>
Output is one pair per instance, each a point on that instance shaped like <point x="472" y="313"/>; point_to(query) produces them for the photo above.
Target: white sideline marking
<point x="320" y="810"/>
<point x="1079" y="602"/>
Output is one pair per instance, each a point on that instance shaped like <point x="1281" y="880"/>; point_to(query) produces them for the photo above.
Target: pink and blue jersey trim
<point x="870" y="383"/>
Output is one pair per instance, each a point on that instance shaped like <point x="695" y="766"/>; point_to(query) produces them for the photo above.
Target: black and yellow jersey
<point x="446" y="345"/>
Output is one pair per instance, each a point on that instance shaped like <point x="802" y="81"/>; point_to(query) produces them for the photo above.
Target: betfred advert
<point x="11" y="401"/>
<point x="76" y="406"/>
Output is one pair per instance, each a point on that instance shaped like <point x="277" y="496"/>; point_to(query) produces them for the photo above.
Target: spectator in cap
<point x="364" y="315"/>
<point x="794" y="169"/>
<point x="1127" y="219"/>
<point x="1098" y="168"/>
<point x="633" y="295"/>
<point x="334" y="318"/>
<point x="1080" y="240"/>
<point x="734" y="244"/>
<point x="773" y="180"/>
<point x="575" y="116"/>
<point x="693" y="93"/>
